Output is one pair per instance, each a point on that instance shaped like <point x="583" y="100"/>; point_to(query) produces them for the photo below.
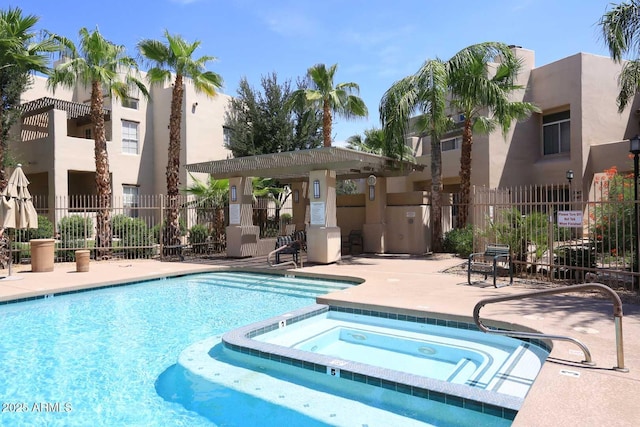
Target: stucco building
<point x="56" y="146"/>
<point x="579" y="129"/>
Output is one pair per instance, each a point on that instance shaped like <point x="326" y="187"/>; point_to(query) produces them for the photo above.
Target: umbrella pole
<point x="10" y="254"/>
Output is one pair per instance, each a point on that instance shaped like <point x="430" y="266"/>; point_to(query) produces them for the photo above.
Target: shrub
<point x="134" y="235"/>
<point x="75" y="227"/>
<point x="459" y="241"/>
<point x="198" y="237"/>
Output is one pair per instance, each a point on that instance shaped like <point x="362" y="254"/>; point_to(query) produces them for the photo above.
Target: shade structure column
<point x="242" y="235"/>
<point x="374" y="229"/>
<point x="323" y="234"/>
<point x="300" y="204"/>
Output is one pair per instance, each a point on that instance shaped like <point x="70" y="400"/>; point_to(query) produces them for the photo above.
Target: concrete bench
<point x="494" y="260"/>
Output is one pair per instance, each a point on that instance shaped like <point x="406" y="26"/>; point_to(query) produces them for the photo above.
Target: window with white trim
<point x="451" y="143"/>
<point x="556" y="133"/>
<point x="130" y="195"/>
<point x="129" y="137"/>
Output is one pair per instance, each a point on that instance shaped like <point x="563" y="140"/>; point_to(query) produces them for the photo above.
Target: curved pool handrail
<point x="617" y="313"/>
<point x="281" y="248"/>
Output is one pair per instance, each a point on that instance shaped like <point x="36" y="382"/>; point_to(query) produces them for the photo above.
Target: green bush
<point x="197" y="238"/>
<point x="134" y="235"/>
<point x="75" y="227"/>
<point x="459" y="241"/>
<point x="285" y="218"/>
<point x="44" y="231"/>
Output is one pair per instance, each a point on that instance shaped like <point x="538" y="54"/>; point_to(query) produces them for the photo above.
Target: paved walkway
<point x="565" y="393"/>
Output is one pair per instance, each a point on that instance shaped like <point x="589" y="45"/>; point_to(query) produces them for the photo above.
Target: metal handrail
<point x="273" y="252"/>
<point x="617" y="314"/>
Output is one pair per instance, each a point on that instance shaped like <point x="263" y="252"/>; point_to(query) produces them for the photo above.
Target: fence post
<point x="161" y="240"/>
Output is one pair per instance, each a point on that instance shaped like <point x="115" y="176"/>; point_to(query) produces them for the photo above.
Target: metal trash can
<point x="42" y="254"/>
<point x="82" y="261"/>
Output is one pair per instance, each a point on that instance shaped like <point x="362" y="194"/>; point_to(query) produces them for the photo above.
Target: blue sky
<point x="374" y="42"/>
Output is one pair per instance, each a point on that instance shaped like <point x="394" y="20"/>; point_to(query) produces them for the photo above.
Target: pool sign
<point x="570" y="218"/>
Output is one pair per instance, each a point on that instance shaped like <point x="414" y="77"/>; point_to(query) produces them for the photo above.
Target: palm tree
<point x="20" y="55"/>
<point x="424" y="92"/>
<point x="375" y="142"/>
<point x="175" y="60"/>
<point x="482" y="94"/>
<point x="213" y="194"/>
<point x="341" y="99"/>
<point x="621" y="33"/>
<point x="108" y="71"/>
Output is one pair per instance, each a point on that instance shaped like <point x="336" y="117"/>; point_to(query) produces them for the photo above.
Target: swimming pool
<point x="95" y="358"/>
<point x="434" y="358"/>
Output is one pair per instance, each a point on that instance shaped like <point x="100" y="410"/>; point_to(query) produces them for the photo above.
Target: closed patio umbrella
<point x="16" y="207"/>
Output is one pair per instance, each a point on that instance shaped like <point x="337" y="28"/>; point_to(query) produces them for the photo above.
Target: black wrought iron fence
<point x="556" y="235"/>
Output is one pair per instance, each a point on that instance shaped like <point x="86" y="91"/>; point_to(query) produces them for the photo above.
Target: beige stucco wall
<point x="202" y="139"/>
<point x="585" y="84"/>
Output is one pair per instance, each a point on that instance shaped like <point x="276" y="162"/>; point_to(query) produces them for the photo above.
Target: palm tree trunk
<point x="465" y="174"/>
<point x="103" y="179"/>
<point x="326" y="123"/>
<point x="436" y="195"/>
<point x="171" y="235"/>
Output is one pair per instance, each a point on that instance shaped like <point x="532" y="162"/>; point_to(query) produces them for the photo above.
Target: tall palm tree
<point x="175" y="60"/>
<point x="108" y="71"/>
<point x="341" y="99"/>
<point x="20" y="55"/>
<point x="481" y="90"/>
<point x="621" y="34"/>
<point x="424" y="92"/>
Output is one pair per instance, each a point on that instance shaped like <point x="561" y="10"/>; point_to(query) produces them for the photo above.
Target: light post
<point x="634" y="148"/>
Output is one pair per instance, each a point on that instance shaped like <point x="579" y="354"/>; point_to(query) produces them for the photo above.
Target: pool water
<point x="94" y="358"/>
<point x="455" y="355"/>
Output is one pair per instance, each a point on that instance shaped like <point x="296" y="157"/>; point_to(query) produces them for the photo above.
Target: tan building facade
<point x="56" y="146"/>
<point x="579" y="129"/>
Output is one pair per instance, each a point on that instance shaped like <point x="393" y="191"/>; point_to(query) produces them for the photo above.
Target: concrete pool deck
<point x="565" y="393"/>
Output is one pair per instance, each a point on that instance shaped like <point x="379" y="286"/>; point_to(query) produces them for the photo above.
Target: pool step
<point x="272" y="283"/>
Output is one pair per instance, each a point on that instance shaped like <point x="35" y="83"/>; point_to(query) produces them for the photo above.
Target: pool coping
<point x="485" y="401"/>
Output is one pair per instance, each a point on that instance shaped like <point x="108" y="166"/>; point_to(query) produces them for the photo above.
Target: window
<point x="87" y="133"/>
<point x="130" y="103"/>
<point x="130" y="200"/>
<point x="451" y="143"/>
<point x="226" y="136"/>
<point x="129" y="137"/>
<point x="556" y="133"/>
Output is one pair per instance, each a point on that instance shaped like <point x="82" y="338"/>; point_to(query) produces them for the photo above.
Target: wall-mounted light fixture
<point x="371" y="180"/>
<point x="569" y="176"/>
<point x="296" y="196"/>
<point x="316" y="189"/>
<point x="234" y="194"/>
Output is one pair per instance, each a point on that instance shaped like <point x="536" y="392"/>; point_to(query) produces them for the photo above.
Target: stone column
<point x="323" y="234"/>
<point x="242" y="235"/>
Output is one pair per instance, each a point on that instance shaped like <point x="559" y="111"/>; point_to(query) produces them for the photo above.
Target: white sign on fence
<point x="569" y="218"/>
